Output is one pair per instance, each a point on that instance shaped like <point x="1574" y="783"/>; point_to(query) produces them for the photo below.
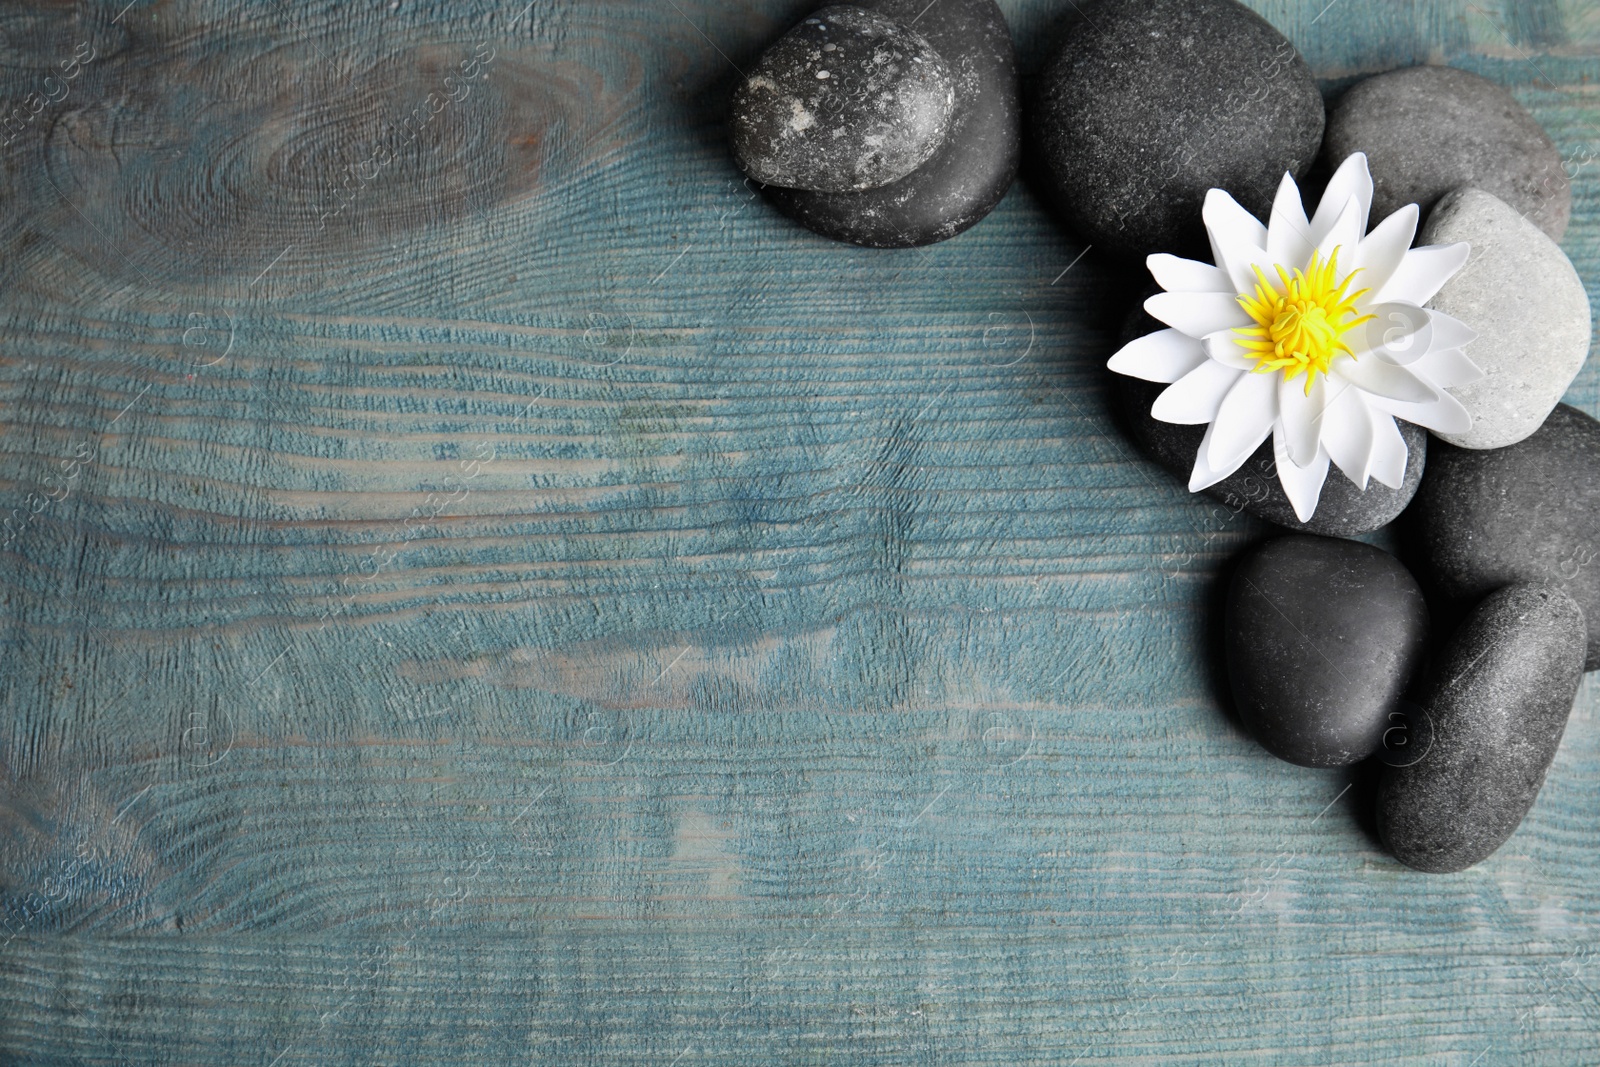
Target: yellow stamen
<point x="1300" y="328"/>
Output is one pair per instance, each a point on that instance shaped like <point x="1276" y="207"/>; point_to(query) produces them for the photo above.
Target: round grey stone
<point x="1151" y="103"/>
<point x="1523" y="297"/>
<point x="1527" y="513"/>
<point x="970" y="173"/>
<point x="1428" y="130"/>
<point x="846" y="100"/>
<point x="1323" y="637"/>
<point x="1498" y="700"/>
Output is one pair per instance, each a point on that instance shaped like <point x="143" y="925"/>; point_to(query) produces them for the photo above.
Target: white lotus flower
<point x="1312" y="330"/>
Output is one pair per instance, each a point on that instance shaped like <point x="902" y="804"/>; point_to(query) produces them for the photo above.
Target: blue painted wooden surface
<point x="492" y="591"/>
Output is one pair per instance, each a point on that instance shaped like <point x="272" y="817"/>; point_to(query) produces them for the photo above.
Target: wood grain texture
<point x="483" y="588"/>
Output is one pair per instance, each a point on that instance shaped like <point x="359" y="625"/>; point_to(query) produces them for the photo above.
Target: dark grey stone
<point x="1343" y="510"/>
<point x="1498" y="700"/>
<point x="1150" y="103"/>
<point x="970" y="173"/>
<point x="1529" y="512"/>
<point x="846" y="100"/>
<point x="1428" y="130"/>
<point x="1323" y="637"/>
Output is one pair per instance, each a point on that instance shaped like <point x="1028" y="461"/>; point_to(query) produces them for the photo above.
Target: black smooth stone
<point x="1529" y="512"/>
<point x="1343" y="510"/>
<point x="970" y="173"/>
<point x="1150" y="103"/>
<point x="1498" y="701"/>
<point x="1323" y="636"/>
<point x="846" y="100"/>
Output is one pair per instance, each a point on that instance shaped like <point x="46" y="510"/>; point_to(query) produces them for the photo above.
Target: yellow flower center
<point x="1301" y="328"/>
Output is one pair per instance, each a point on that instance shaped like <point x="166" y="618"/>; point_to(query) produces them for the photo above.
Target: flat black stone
<point x="846" y="100"/>
<point x="1498" y="700"/>
<point x="1529" y="512"/>
<point x="1428" y="130"/>
<point x="973" y="168"/>
<point x="1323" y="636"/>
<point x="1343" y="510"/>
<point x="1150" y="103"/>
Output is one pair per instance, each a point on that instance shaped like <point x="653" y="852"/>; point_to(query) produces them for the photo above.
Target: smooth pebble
<point x="1428" y="130"/>
<point x="1522" y="296"/>
<point x="1498" y="702"/>
<point x="846" y="100"/>
<point x="974" y="165"/>
<point x="1149" y="104"/>
<point x="1527" y="513"/>
<point x="1323" y="636"/>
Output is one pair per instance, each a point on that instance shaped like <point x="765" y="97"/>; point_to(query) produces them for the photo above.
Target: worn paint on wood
<point x="493" y="591"/>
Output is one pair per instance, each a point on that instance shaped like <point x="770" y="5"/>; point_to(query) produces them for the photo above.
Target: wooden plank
<point x="495" y="591"/>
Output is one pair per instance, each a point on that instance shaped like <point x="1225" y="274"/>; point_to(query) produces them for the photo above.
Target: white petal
<point x="1375" y="375"/>
<point x="1450" y="332"/>
<point x="1288" y="231"/>
<point x="1444" y="415"/>
<point x="1388" y="463"/>
<point x="1237" y="237"/>
<point x="1402" y="332"/>
<point x="1196" y="396"/>
<point x="1446" y="368"/>
<point x="1224" y="347"/>
<point x="1204" y="475"/>
<point x="1178" y="275"/>
<point x="1347" y="433"/>
<point x="1243" y="270"/>
<point x="1301" y="415"/>
<point x="1343" y="234"/>
<point x="1352" y="181"/>
<point x="1380" y="252"/>
<point x="1198" y="314"/>
<point x="1163" y="356"/>
<point x="1303" y="485"/>
<point x="1422" y="273"/>
<point x="1243" y="420"/>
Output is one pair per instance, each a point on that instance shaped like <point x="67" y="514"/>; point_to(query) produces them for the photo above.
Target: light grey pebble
<point x="1521" y="295"/>
<point x="1428" y="130"/>
<point x="846" y="100"/>
<point x="1498" y="702"/>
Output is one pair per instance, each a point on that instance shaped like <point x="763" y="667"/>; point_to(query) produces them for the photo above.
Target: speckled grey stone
<point x="970" y="173"/>
<point x="1428" y="130"/>
<point x="1343" y="510"/>
<point x="1528" y="513"/>
<point x="1150" y="103"/>
<point x="1323" y="637"/>
<point x="1523" y="297"/>
<point x="1498" y="699"/>
<point x="846" y="100"/>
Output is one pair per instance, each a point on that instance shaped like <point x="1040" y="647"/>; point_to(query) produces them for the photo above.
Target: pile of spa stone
<point x="1329" y="648"/>
<point x="896" y="123"/>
